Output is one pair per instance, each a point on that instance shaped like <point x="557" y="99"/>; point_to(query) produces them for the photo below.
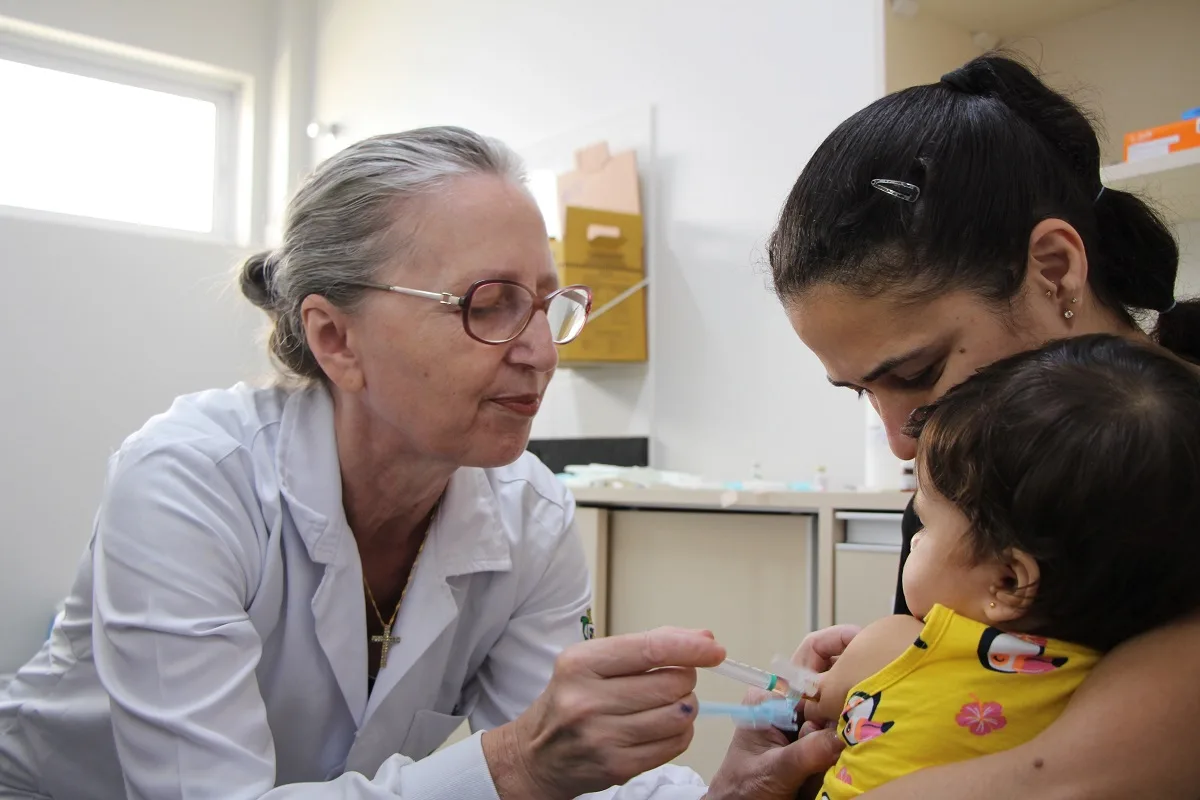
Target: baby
<point x="1059" y="493"/>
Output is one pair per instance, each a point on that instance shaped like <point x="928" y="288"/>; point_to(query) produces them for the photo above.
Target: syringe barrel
<point x="744" y="673"/>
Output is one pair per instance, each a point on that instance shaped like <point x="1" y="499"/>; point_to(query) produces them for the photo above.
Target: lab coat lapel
<point x="311" y="483"/>
<point x="467" y="537"/>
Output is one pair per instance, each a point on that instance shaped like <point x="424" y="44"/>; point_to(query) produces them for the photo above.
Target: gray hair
<point x="342" y="225"/>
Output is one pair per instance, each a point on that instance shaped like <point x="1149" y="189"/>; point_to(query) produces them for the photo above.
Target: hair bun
<point x="959" y="80"/>
<point x="258" y="278"/>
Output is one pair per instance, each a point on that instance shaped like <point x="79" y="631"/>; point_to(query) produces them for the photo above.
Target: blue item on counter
<point x="1192" y="113"/>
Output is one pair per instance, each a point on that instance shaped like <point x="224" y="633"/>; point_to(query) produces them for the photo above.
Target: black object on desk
<point x="633" y="451"/>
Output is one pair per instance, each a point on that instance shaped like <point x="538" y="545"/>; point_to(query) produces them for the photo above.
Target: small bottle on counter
<point x="820" y="480"/>
<point x="908" y="478"/>
<point x="883" y="469"/>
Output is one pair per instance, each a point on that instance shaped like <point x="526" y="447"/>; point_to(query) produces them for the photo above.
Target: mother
<point x="942" y="228"/>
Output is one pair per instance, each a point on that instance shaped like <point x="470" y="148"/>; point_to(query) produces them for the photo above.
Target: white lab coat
<point x="214" y="644"/>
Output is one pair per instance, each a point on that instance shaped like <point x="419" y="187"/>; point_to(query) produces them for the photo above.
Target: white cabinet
<point x="865" y="566"/>
<point x="744" y="576"/>
<point x="864" y="582"/>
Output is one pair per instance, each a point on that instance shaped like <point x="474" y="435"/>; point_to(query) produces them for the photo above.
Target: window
<point x="543" y="185"/>
<point x="123" y="140"/>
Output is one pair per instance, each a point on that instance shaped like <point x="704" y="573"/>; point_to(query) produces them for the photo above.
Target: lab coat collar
<point x="468" y="536"/>
<point x="471" y="534"/>
<point x="310" y="475"/>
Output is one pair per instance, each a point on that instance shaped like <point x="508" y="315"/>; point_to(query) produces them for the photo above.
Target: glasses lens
<point x="567" y="313"/>
<point x="498" y="311"/>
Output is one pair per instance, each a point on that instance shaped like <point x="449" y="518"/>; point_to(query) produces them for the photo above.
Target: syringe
<point x="795" y="683"/>
<point x="775" y="713"/>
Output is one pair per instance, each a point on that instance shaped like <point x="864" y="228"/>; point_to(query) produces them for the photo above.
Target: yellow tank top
<point x="961" y="690"/>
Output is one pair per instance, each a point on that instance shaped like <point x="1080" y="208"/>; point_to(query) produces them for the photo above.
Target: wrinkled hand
<point x="614" y="708"/>
<point x="762" y="764"/>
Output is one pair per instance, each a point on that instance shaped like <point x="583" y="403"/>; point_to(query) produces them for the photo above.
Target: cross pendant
<point x="386" y="640"/>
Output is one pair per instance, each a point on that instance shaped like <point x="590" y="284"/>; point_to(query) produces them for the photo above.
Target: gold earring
<point x="1074" y="300"/>
<point x="1049" y="293"/>
<point x="1068" y="313"/>
<point x="992" y="605"/>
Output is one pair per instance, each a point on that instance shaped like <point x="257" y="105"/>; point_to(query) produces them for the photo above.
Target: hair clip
<point x="908" y="192"/>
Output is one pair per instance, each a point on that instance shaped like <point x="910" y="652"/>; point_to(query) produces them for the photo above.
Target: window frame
<point x="226" y="91"/>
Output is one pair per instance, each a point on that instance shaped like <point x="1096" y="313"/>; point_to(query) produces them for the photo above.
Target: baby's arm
<point x="876" y="646"/>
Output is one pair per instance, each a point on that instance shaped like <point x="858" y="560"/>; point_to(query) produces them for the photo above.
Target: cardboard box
<point x="603" y="247"/>
<point x="1155" y="142"/>
<point x="604" y="250"/>
<point x="600" y="180"/>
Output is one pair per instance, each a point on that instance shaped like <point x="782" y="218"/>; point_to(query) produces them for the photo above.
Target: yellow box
<point x="604" y="250"/>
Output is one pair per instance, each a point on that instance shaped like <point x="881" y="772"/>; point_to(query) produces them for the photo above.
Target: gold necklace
<point x="386" y="639"/>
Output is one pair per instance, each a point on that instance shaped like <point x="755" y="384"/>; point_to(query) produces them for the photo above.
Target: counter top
<point x="730" y="500"/>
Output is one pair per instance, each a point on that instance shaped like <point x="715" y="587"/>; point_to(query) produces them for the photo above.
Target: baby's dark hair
<point x="1085" y="454"/>
<point x="993" y="152"/>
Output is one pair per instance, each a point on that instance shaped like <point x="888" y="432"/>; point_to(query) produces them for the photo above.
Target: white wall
<point x="1188" y="283"/>
<point x="742" y="94"/>
<point x="1132" y="65"/>
<point x="103" y="327"/>
<point x="921" y="49"/>
<point x="1136" y="63"/>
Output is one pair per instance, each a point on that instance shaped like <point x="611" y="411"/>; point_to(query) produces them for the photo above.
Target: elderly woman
<point x="300" y="591"/>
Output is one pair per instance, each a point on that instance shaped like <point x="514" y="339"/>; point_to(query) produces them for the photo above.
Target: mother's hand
<point x="818" y="651"/>
<point x="821" y="648"/>
<point x="763" y="764"/>
<point x="615" y="707"/>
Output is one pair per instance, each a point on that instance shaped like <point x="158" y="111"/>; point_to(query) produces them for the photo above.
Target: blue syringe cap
<point x="780" y="713"/>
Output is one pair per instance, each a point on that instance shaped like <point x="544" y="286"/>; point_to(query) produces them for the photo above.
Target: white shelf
<point x="1172" y="182"/>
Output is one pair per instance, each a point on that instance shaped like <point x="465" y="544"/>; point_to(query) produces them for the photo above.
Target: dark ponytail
<point x="993" y="152"/>
<point x="1178" y="330"/>
<point x="1139" y="256"/>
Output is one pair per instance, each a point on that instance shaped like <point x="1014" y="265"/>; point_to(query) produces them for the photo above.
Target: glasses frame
<point x="462" y="303"/>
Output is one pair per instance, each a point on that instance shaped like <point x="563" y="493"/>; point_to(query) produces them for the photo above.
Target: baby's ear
<point x="1015" y="588"/>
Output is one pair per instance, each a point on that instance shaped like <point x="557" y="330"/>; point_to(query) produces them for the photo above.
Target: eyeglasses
<point x="497" y="311"/>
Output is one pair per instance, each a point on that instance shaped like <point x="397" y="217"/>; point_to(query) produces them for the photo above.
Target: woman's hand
<point x="818" y="652"/>
<point x="763" y="764"/>
<point x="821" y="648"/>
<point x="615" y="707"/>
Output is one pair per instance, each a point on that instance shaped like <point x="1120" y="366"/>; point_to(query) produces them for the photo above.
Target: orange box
<point x="1155" y="142"/>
